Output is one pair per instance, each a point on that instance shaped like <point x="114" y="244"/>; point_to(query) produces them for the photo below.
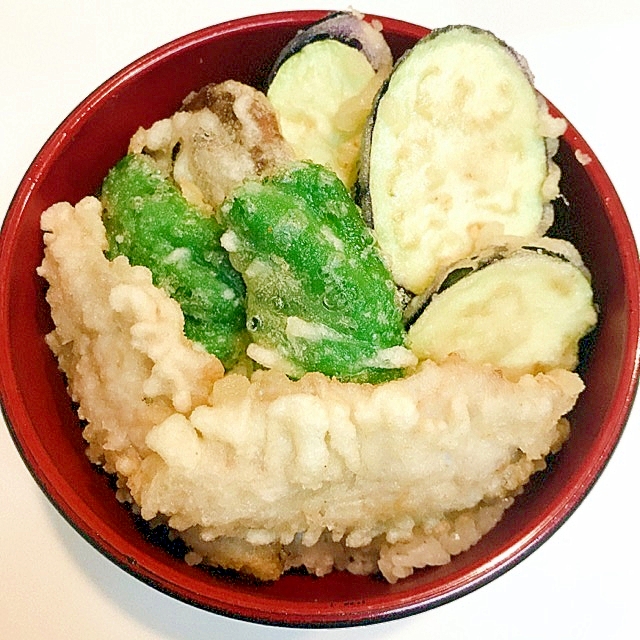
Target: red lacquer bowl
<point x="46" y="431"/>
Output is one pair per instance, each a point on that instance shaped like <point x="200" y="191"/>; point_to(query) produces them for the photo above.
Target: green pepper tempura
<point x="319" y="297"/>
<point x="148" y="220"/>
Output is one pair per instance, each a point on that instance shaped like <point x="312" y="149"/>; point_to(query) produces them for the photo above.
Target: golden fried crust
<point x="263" y="562"/>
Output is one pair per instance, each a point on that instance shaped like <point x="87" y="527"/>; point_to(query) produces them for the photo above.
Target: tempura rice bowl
<point x="46" y="429"/>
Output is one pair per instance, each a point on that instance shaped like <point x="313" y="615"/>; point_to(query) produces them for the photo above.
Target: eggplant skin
<point x="455" y="153"/>
<point x="348" y="27"/>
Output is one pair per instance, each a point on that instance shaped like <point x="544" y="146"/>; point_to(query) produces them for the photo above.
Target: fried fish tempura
<point x="264" y="474"/>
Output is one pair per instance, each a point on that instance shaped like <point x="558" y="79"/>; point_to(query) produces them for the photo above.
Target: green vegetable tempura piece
<point x="149" y="221"/>
<point x="319" y="297"/>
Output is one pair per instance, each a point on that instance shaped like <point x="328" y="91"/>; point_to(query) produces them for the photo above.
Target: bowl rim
<point x="256" y="609"/>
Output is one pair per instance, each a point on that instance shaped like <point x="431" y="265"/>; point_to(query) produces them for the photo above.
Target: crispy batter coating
<point x="224" y="134"/>
<point x="266" y="473"/>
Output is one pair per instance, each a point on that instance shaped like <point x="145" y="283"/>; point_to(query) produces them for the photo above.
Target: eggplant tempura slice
<point x="322" y="86"/>
<point x="522" y="311"/>
<point x="456" y="152"/>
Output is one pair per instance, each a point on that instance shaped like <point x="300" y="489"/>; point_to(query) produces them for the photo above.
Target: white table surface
<point x="581" y="584"/>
